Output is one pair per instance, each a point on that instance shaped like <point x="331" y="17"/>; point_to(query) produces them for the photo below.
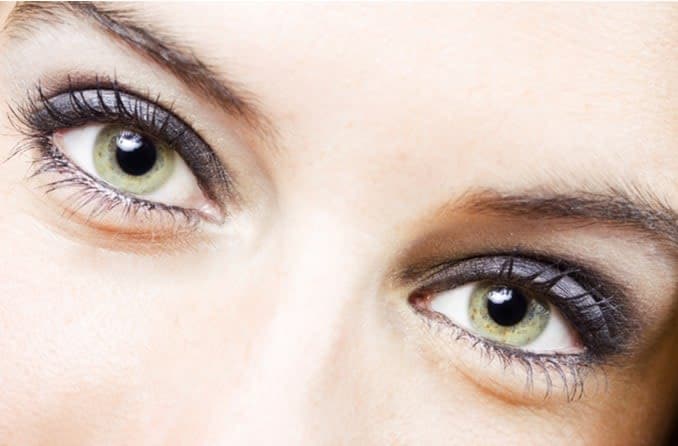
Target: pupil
<point x="135" y="154"/>
<point x="506" y="306"/>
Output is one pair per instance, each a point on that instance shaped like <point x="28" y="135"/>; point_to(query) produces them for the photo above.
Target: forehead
<point x="569" y="88"/>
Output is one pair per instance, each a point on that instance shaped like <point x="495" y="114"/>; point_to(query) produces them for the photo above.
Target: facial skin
<point x="379" y="127"/>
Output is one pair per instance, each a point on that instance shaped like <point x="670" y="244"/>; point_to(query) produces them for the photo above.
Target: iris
<point x="507" y="314"/>
<point x="131" y="161"/>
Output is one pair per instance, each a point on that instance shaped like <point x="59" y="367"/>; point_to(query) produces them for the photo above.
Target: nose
<point x="317" y="283"/>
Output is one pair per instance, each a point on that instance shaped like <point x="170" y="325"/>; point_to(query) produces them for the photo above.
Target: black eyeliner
<point x="107" y="102"/>
<point x="597" y="308"/>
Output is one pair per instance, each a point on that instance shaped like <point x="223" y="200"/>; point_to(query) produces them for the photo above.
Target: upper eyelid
<point x="620" y="320"/>
<point x="79" y="106"/>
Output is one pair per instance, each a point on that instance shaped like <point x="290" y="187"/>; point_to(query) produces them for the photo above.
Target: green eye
<point x="507" y="314"/>
<point x="131" y="161"/>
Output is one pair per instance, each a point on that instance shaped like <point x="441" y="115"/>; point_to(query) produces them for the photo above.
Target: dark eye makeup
<point x="108" y="103"/>
<point x="595" y="306"/>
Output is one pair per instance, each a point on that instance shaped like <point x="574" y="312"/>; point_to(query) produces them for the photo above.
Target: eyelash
<point x="598" y="309"/>
<point x="107" y="103"/>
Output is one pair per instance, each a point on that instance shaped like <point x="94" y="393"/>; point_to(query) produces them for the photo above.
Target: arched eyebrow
<point x="125" y="25"/>
<point x="632" y="208"/>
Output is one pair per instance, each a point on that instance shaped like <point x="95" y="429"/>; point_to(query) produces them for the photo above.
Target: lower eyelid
<point x="183" y="190"/>
<point x="78" y="198"/>
<point x="506" y="373"/>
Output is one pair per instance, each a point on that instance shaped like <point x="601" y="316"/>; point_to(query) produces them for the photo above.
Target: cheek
<point x="92" y="340"/>
<point x="60" y="356"/>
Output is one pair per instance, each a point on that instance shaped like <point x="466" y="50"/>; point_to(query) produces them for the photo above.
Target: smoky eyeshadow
<point x="110" y="105"/>
<point x="597" y="308"/>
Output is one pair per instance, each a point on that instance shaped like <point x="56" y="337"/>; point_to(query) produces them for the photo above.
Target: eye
<point x="507" y="315"/>
<point x="503" y="319"/>
<point x="133" y="163"/>
<point x="122" y="152"/>
<point x="523" y="304"/>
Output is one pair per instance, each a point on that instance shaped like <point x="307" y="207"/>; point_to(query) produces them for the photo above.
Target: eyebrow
<point x="631" y="208"/>
<point x="125" y="26"/>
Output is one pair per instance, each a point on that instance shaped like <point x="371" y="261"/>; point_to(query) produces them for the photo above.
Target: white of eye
<point x="557" y="337"/>
<point x="181" y="189"/>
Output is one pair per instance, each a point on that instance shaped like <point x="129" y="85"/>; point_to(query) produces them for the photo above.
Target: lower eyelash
<point x="570" y="370"/>
<point x="89" y="191"/>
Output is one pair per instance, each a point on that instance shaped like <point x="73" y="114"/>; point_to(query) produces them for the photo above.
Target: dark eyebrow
<point x="632" y="208"/>
<point x="125" y="25"/>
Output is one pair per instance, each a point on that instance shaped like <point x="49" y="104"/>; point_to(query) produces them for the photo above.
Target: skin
<point x="283" y="325"/>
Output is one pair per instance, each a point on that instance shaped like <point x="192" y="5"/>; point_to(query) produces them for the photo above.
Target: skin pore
<point x="351" y="151"/>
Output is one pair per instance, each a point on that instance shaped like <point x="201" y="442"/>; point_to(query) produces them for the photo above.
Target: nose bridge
<point x="317" y="278"/>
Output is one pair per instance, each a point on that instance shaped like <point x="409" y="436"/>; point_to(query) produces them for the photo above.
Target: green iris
<point x="507" y="315"/>
<point x="130" y="161"/>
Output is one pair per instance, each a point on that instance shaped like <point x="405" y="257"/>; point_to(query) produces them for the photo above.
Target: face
<point x="332" y="224"/>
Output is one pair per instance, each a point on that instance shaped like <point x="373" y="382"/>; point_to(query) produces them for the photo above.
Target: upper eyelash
<point x="107" y="102"/>
<point x="40" y="116"/>
<point x="599" y="313"/>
